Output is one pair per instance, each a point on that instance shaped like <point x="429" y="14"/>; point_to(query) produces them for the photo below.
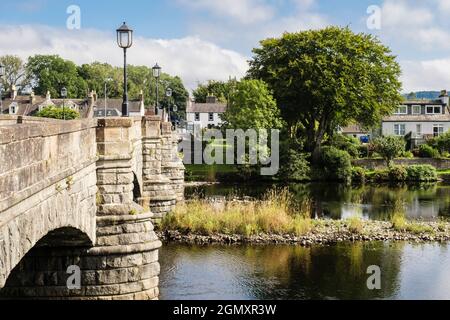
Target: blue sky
<point x="203" y="39"/>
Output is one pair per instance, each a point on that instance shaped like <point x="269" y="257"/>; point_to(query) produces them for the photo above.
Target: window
<point x="418" y="129"/>
<point x="197" y="116"/>
<point x="399" y="129"/>
<point x="434" y="109"/>
<point x="211" y="117"/>
<point x="13" y="108"/>
<point x="402" y="110"/>
<point x="438" y="129"/>
<point x="416" y="109"/>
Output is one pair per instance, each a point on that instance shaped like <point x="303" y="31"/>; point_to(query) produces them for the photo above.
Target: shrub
<point x="422" y="173"/>
<point x="380" y="175"/>
<point x="426" y="151"/>
<point x="364" y="151"/>
<point x="334" y="164"/>
<point x="295" y="166"/>
<point x="397" y="173"/>
<point x="441" y="143"/>
<point x="58" y="113"/>
<point x="389" y="147"/>
<point x="407" y="155"/>
<point x="349" y="144"/>
<point x="358" y="175"/>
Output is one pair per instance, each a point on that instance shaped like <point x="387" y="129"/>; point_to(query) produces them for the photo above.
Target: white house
<point x="423" y="119"/>
<point x="205" y="115"/>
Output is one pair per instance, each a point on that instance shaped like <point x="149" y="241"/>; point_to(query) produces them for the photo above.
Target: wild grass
<point x="401" y="224"/>
<point x="355" y="225"/>
<point x="275" y="214"/>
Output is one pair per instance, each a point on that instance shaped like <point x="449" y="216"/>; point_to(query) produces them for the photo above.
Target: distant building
<point x="355" y="131"/>
<point x="136" y="108"/>
<point x="205" y="115"/>
<point x="30" y="105"/>
<point x="419" y="119"/>
<point x="92" y="106"/>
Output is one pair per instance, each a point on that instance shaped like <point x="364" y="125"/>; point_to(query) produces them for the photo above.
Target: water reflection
<point x="292" y="272"/>
<point x="338" y="201"/>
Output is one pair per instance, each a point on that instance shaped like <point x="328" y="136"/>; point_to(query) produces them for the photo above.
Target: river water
<point x="408" y="271"/>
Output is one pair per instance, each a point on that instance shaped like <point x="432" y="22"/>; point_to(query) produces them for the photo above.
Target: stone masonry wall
<point x="47" y="182"/>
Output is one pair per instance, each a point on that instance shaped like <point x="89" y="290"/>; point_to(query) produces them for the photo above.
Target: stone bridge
<point x="80" y="197"/>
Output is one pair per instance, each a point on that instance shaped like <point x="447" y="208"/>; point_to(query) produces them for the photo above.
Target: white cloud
<point x="244" y="11"/>
<point x="407" y="21"/>
<point x="191" y="58"/>
<point x="426" y="75"/>
<point x="245" y="33"/>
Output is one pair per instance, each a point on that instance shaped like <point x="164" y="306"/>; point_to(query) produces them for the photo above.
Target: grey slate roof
<point x="206" y="107"/>
<point x="418" y="118"/>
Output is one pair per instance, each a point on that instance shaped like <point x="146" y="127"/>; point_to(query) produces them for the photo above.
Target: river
<point x="408" y="271"/>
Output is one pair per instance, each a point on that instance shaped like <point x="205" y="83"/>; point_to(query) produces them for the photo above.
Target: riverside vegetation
<point x="277" y="218"/>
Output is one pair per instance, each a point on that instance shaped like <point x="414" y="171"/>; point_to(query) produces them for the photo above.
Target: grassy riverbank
<point x="277" y="219"/>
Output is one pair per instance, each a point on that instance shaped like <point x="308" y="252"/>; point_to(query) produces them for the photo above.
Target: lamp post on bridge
<point x="106" y="91"/>
<point x="64" y="96"/>
<point x="169" y="93"/>
<point x="157" y="74"/>
<point x="125" y="41"/>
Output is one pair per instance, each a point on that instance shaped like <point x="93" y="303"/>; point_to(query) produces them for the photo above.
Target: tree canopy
<point x="323" y="79"/>
<point x="15" y="73"/>
<point x="251" y="106"/>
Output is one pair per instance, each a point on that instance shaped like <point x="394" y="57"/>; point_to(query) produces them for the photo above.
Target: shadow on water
<point x="340" y="201"/>
<point x="292" y="272"/>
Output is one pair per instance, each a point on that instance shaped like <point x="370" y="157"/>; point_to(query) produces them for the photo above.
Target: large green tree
<point x="15" y="73"/>
<point x="251" y="106"/>
<point x="52" y="73"/>
<point x="323" y="79"/>
<point x="220" y="89"/>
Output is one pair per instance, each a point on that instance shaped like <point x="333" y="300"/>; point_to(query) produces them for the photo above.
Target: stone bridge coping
<point x="17" y="132"/>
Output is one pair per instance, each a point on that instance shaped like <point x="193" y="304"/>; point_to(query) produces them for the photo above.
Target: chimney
<point x="211" y="99"/>
<point x="13" y="92"/>
<point x="48" y="96"/>
<point x="444" y="97"/>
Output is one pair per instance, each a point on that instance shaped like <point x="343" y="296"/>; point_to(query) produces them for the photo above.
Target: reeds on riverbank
<point x="275" y="214"/>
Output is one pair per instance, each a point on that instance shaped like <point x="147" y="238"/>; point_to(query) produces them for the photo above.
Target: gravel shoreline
<point x="324" y="232"/>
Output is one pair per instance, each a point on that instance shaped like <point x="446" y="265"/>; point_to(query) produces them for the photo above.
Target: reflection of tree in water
<point x="334" y="200"/>
<point x="337" y="272"/>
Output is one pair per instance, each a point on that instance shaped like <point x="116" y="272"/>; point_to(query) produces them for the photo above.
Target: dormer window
<point x="416" y="109"/>
<point x="13" y="108"/>
<point x="402" y="110"/>
<point x="434" y="109"/>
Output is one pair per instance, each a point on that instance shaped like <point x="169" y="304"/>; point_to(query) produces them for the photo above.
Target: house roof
<point x="116" y="104"/>
<point x="424" y="102"/>
<point x="353" y="129"/>
<point x="418" y="118"/>
<point x="206" y="107"/>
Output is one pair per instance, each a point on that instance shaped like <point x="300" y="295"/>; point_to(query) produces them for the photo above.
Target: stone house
<point x="92" y="106"/>
<point x="205" y="115"/>
<point x="419" y="119"/>
<point x="30" y="105"/>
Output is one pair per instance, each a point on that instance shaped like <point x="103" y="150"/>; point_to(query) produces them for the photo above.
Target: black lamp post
<point x="64" y="96"/>
<point x="125" y="41"/>
<point x="2" y="74"/>
<point x="169" y="93"/>
<point x="157" y="74"/>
